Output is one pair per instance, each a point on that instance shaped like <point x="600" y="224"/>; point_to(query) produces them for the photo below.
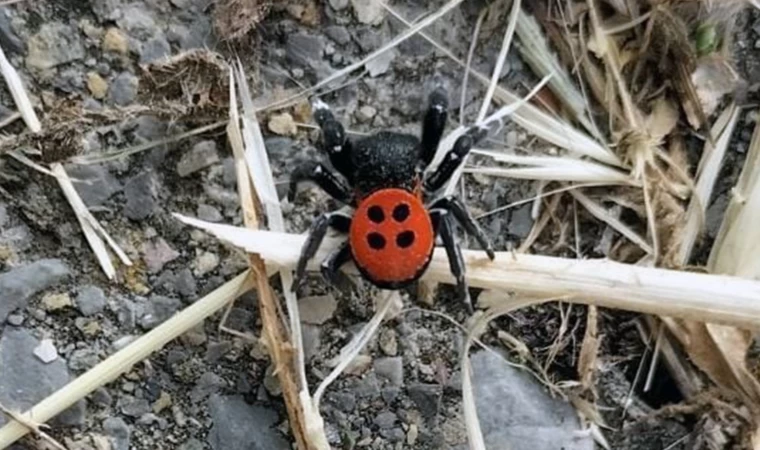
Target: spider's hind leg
<point x="455" y="206"/>
<point x="442" y="223"/>
<point x="330" y="267"/>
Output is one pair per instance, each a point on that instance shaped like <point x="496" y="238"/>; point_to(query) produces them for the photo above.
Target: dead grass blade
<point x="533" y="119"/>
<point x="724" y="349"/>
<point x="602" y="214"/>
<point x="535" y="50"/>
<point x="707" y="173"/>
<point x="20" y="97"/>
<point x="123" y="360"/>
<point x="91" y="228"/>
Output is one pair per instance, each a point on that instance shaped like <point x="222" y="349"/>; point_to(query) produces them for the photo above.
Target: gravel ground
<point x="59" y="315"/>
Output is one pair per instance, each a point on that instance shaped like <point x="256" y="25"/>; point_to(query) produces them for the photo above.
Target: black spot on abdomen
<point x="376" y="241"/>
<point x="405" y="239"/>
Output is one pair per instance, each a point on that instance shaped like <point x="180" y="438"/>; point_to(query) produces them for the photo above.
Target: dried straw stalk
<point x="695" y="296"/>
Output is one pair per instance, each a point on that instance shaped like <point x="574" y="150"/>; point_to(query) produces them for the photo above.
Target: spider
<point x="396" y="215"/>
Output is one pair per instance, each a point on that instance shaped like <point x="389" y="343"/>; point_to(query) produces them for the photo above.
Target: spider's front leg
<point x="316" y="235"/>
<point x="454" y="158"/>
<point x="433" y="126"/>
<point x="443" y="226"/>
<point x="334" y="141"/>
<point x="324" y="178"/>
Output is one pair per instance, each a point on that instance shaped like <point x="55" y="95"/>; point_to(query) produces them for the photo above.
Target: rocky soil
<point x="60" y="315"/>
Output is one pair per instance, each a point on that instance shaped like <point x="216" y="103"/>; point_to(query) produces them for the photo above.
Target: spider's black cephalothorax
<point x="387" y="169"/>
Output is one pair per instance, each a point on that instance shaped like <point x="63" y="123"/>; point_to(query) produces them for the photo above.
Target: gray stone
<point x="118" y="432"/>
<point x="304" y="49"/>
<point x="184" y="283"/>
<point x="338" y="33"/>
<point x="339" y="5"/>
<point x="521" y="222"/>
<point x="91" y="300"/>
<point x="391" y="369"/>
<point x="202" y="155"/>
<point x="344" y="401"/>
<point x="138" y="21"/>
<point x="385" y="420"/>
<point x="16" y="238"/>
<point x="515" y="410"/>
<point x="209" y="383"/>
<point x="54" y="44"/>
<point x="240" y="426"/>
<point x="159" y="309"/>
<point x="311" y="340"/>
<point x="101" y="397"/>
<point x="150" y="128"/>
<point x="199" y="34"/>
<point x="25" y="380"/>
<point x="381" y="63"/>
<point x="209" y="213"/>
<point x="369" y="11"/>
<point x="3" y="211"/>
<point x="83" y="359"/>
<point x="19" y="284"/>
<point x="192" y="444"/>
<point x="393" y="435"/>
<point x="140" y="192"/>
<point x="123" y="89"/>
<point x="97" y="183"/>
<point x="156" y="253"/>
<point x="16" y="320"/>
<point x="279" y="147"/>
<point x="369" y="39"/>
<point x="318" y="309"/>
<point x="9" y="40"/>
<point x="427" y="397"/>
<point x="157" y="48"/>
<point x="132" y="406"/>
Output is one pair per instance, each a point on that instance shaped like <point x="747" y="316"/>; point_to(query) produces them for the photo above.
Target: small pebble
<point x="209" y="213"/>
<point x="46" y="351"/>
<point x="16" y="320"/>
<point x="115" y="41"/>
<point x="282" y="124"/>
<point x="365" y="113"/>
<point x="205" y="263"/>
<point x="56" y="302"/>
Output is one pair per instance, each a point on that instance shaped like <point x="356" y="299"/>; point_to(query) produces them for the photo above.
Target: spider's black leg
<point x="331" y="265"/>
<point x="323" y="177"/>
<point x="334" y="141"/>
<point x="455" y="205"/>
<point x="433" y="125"/>
<point x="317" y="231"/>
<point x="442" y="222"/>
<point x="454" y="158"/>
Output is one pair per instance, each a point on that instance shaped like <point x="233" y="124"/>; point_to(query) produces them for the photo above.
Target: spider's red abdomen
<point x="391" y="237"/>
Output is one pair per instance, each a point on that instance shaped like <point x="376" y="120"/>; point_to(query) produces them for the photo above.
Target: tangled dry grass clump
<point x="630" y="91"/>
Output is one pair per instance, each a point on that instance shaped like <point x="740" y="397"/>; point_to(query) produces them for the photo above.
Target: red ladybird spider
<point x="391" y="234"/>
